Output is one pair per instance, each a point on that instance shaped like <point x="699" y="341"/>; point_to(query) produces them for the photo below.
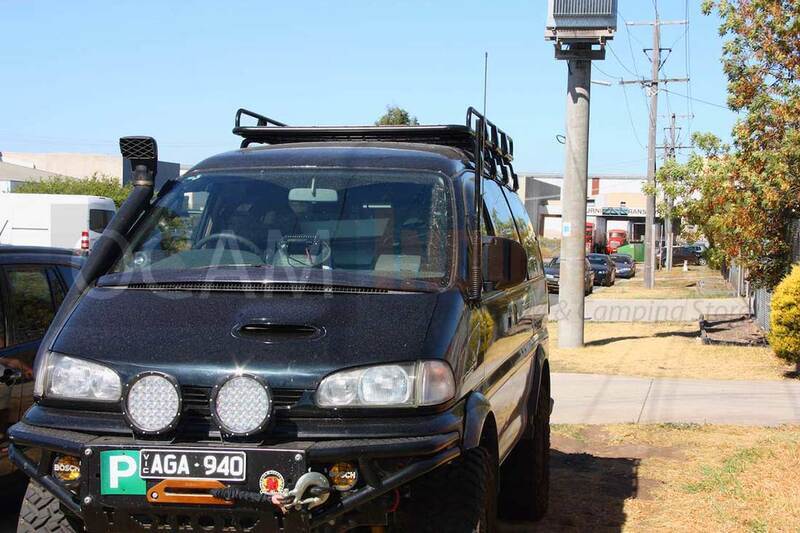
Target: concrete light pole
<point x="573" y="204"/>
<point x="580" y="31"/>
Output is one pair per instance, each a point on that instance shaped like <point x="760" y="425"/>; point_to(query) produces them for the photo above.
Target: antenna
<point x="485" y="78"/>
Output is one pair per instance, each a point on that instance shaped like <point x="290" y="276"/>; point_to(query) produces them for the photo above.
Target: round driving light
<point x="343" y="476"/>
<point x="241" y="405"/>
<point x="67" y="468"/>
<point x="153" y="403"/>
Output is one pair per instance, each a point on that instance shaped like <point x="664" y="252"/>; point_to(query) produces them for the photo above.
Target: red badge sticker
<point x="271" y="482"/>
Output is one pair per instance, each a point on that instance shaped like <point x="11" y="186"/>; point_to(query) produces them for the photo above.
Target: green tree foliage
<point x="396" y="116"/>
<point x="784" y="333"/>
<point x="97" y="185"/>
<point x="751" y="191"/>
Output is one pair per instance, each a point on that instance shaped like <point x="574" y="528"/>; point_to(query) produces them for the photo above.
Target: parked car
<point x="72" y="221"/>
<point x="326" y="342"/>
<point x="552" y="272"/>
<point x="625" y="265"/>
<point x="33" y="282"/>
<point x="691" y="254"/>
<point x="605" y="272"/>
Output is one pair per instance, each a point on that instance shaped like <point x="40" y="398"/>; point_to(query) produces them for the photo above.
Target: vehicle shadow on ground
<point x="587" y="493"/>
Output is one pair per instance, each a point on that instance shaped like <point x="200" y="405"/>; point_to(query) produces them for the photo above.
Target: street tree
<point x="756" y="182"/>
<point x="396" y="116"/>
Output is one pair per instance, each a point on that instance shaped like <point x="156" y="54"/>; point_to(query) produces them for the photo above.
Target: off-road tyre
<point x="525" y="474"/>
<point x="41" y="512"/>
<point x="460" y="497"/>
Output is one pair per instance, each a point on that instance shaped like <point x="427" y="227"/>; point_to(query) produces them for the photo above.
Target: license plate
<point x="192" y="464"/>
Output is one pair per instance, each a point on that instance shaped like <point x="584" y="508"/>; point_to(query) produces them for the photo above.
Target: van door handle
<point x="10" y="376"/>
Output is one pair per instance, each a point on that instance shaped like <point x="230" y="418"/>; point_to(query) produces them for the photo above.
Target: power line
<point x="693" y="99"/>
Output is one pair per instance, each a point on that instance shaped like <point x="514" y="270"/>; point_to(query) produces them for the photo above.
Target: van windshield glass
<point x="371" y="224"/>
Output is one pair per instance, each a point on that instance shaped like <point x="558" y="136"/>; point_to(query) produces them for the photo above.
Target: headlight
<point x="69" y="378"/>
<point x="153" y="403"/>
<point x="241" y="405"/>
<point x="397" y="385"/>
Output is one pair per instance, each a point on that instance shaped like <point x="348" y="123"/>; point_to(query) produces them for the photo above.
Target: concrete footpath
<point x="602" y="399"/>
<point x="635" y="310"/>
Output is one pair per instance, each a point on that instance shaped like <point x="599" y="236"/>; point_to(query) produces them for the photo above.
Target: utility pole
<point x="669" y="154"/>
<point x="652" y="86"/>
<point x="579" y="32"/>
<point x="650" y="220"/>
<point x="670" y="149"/>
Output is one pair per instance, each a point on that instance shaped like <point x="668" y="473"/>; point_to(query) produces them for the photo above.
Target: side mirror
<point x="505" y="262"/>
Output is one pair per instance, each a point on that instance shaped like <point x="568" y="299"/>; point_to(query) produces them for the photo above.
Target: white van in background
<point x="58" y="220"/>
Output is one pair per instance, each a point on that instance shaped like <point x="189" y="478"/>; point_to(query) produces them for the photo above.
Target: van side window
<point x="31" y="304"/>
<point x="527" y="236"/>
<point x="2" y="324"/>
<point x="497" y="210"/>
<point x="99" y="219"/>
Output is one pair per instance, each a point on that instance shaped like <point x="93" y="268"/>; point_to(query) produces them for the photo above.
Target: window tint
<point x="30" y="304"/>
<point x="99" y="219"/>
<point x="527" y="236"/>
<point x="498" y="211"/>
<point x="68" y="274"/>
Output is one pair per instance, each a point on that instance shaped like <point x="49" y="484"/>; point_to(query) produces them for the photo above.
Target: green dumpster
<point x="635" y="250"/>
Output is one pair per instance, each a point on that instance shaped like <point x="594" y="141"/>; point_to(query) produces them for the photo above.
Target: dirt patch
<point x="671" y="477"/>
<point x="734" y="330"/>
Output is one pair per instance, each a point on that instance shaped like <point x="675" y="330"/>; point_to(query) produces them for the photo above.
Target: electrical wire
<point x="693" y="99"/>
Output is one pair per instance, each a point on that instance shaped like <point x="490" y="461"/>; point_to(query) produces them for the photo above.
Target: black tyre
<point x="41" y="511"/>
<point x="525" y="474"/>
<point x="457" y="498"/>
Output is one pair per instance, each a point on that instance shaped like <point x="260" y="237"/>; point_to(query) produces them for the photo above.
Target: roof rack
<point x="497" y="149"/>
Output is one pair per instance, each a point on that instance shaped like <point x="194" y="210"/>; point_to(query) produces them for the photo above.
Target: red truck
<point x="616" y="238"/>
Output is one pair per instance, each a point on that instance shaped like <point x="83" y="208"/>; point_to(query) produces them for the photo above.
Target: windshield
<point x="597" y="259"/>
<point x="621" y="259"/>
<point x="380" y="224"/>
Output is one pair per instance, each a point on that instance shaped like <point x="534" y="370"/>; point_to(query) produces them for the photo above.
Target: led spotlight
<point x="153" y="403"/>
<point x="241" y="405"/>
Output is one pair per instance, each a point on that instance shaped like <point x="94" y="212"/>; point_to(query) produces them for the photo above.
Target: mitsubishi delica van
<point x="329" y="329"/>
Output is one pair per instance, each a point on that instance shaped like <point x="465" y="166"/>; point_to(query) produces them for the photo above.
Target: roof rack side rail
<point x="262" y="120"/>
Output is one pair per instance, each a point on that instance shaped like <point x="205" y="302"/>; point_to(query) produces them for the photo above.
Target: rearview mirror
<point x="505" y="262"/>
<point x="313" y="195"/>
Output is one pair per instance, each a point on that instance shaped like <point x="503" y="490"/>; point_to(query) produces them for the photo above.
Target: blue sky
<point x="75" y="76"/>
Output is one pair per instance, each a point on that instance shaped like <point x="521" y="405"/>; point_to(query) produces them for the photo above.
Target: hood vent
<point x="272" y="333"/>
<point x="236" y="286"/>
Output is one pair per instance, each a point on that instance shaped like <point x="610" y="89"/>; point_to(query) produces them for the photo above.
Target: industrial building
<point x="19" y="167"/>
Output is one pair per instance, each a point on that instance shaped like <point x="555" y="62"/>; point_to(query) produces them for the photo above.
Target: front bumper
<point x="414" y="457"/>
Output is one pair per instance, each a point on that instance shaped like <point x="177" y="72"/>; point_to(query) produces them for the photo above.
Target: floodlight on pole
<point x="579" y="30"/>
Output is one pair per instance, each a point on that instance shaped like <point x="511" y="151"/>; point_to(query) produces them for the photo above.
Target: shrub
<point x="97" y="185"/>
<point x="785" y="318"/>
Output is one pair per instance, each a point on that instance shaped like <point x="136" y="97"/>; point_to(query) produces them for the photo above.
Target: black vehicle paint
<point x="188" y="325"/>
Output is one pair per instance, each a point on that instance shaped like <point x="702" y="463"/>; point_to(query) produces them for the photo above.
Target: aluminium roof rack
<point x="497" y="147"/>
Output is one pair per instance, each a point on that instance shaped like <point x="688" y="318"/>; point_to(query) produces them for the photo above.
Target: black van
<point x="324" y="333"/>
